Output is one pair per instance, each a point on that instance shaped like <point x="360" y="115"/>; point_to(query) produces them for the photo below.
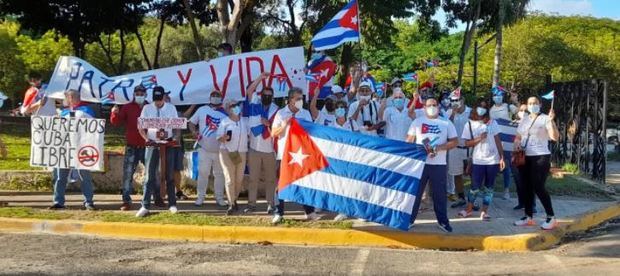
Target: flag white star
<point x="298" y="157"/>
<point x="354" y="20"/>
<point x="324" y="73"/>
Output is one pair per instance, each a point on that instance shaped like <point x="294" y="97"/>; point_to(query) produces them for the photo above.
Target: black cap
<point x="139" y="87"/>
<point x="159" y="93"/>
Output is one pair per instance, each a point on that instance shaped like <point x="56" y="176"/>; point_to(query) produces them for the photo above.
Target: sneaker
<point x="249" y="209"/>
<point x="313" y="216"/>
<point x="549" y="224"/>
<point x="173" y="209"/>
<point x="506" y="194"/>
<point x="453" y="197"/>
<point x="181" y="196"/>
<point x="142" y="212"/>
<point x="362" y="219"/>
<point x="270" y="210"/>
<point x="525" y="221"/>
<point x="340" y="217"/>
<point x="160" y="203"/>
<point x="445" y="227"/>
<point x="464" y="214"/>
<point x="199" y="202"/>
<point x="484" y="216"/>
<point x="221" y="203"/>
<point x="518" y="207"/>
<point x="56" y="206"/>
<point x="277" y="219"/>
<point x="460" y="203"/>
<point x="89" y="207"/>
<point x="411" y="225"/>
<point x="318" y="210"/>
<point x="126" y="207"/>
<point x="230" y="210"/>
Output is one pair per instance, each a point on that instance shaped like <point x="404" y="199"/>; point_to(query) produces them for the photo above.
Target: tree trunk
<point x="192" y="24"/>
<point x="121" y="63"/>
<point x="245" y="42"/>
<point x="162" y="23"/>
<point x="469" y="34"/>
<point x="143" y="49"/>
<point x="498" y="44"/>
<point x="108" y="55"/>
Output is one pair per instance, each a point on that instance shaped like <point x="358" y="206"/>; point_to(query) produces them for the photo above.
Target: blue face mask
<point x="399" y="103"/>
<point x="534" y="109"/>
<point x="236" y="110"/>
<point x="316" y="56"/>
<point x="340" y="112"/>
<point x="498" y="99"/>
<point x="481" y="111"/>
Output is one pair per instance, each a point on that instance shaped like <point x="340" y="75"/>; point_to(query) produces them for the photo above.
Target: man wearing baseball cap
<point x="153" y="136"/>
<point x="364" y="111"/>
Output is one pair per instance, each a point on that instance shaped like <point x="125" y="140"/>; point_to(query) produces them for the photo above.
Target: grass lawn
<point x="164" y="218"/>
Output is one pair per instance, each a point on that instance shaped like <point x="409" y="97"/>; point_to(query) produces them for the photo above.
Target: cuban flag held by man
<point x="343" y="27"/>
<point x="351" y="173"/>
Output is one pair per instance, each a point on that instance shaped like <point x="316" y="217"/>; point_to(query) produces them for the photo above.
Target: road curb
<point x="309" y="236"/>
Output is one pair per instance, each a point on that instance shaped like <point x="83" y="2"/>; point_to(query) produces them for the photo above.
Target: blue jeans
<point x="151" y="158"/>
<point x="436" y="174"/>
<point x="60" y="178"/>
<point x="482" y="181"/>
<point x="133" y="156"/>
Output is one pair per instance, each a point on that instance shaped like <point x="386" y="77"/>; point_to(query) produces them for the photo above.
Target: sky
<point x="596" y="8"/>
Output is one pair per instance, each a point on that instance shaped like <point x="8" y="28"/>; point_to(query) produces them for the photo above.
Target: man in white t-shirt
<point x="365" y="111"/>
<point x="437" y="136"/>
<point x="281" y="123"/>
<point x="261" y="113"/>
<point x="159" y="108"/>
<point x="208" y="119"/>
<point x="397" y="117"/>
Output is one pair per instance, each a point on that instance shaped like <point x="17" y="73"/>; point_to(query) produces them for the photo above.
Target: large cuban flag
<point x="508" y="131"/>
<point x="343" y="27"/>
<point x="351" y="173"/>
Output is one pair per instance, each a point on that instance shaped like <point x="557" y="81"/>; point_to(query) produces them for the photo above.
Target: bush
<point x="571" y="168"/>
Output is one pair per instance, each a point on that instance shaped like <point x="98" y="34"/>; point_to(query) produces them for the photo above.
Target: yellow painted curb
<point x="308" y="236"/>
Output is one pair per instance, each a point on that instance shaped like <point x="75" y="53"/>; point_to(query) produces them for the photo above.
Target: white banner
<point x="63" y="142"/>
<point x="188" y="83"/>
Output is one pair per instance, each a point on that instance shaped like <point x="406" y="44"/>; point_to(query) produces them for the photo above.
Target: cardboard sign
<point x="162" y="123"/>
<point x="63" y="142"/>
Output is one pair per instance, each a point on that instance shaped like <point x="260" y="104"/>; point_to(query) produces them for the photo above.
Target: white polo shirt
<point x="396" y="123"/>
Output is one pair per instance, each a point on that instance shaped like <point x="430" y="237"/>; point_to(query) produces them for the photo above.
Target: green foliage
<point x="571" y="168"/>
<point x="12" y="70"/>
<point x="40" y="55"/>
<point x="165" y="218"/>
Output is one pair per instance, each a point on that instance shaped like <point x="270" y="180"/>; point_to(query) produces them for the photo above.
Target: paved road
<point x="594" y="254"/>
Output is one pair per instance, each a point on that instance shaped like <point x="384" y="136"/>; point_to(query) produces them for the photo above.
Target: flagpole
<point x="359" y="26"/>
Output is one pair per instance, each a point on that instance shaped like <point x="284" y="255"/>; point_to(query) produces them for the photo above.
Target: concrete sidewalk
<point x="566" y="209"/>
<point x="612" y="174"/>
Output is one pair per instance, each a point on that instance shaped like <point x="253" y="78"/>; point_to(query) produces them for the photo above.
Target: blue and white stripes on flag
<point x="191" y="170"/>
<point x="508" y="131"/>
<point x="366" y="177"/>
<point x="343" y="27"/>
<point x="549" y="96"/>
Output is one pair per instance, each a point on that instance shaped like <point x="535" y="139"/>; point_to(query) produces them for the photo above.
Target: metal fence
<point x="581" y="116"/>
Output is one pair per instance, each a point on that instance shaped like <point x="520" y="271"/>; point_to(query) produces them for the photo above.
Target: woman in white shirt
<point x="482" y="133"/>
<point x="233" y="137"/>
<point x="533" y="135"/>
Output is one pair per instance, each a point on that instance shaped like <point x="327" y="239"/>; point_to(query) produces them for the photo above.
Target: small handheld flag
<point x="108" y="98"/>
<point x="410" y="77"/>
<point x="549" y="96"/>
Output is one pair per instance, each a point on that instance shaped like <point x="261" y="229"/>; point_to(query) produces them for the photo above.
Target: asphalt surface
<point x="593" y="253"/>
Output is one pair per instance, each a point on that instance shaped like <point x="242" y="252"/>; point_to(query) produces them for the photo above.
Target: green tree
<point x="12" y="71"/>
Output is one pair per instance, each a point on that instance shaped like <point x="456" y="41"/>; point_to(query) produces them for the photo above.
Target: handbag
<point x="518" y="156"/>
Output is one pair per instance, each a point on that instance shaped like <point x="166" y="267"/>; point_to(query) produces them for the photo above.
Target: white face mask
<point x="534" y="109"/>
<point x="481" y="111"/>
<point x="139" y="99"/>
<point x="431" y="111"/>
<point x="299" y="104"/>
<point x="366" y="98"/>
<point x="216" y="100"/>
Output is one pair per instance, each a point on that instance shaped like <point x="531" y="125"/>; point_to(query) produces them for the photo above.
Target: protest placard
<point x="162" y="123"/>
<point x="64" y="142"/>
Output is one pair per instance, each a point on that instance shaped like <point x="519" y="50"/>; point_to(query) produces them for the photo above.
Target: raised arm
<point x="254" y="84"/>
<point x="314" y="111"/>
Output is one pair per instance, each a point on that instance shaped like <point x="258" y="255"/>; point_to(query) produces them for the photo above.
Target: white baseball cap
<point x="337" y="89"/>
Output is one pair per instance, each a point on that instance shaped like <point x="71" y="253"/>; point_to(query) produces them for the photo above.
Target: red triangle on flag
<point x="350" y="19"/>
<point x="323" y="72"/>
<point x="301" y="156"/>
